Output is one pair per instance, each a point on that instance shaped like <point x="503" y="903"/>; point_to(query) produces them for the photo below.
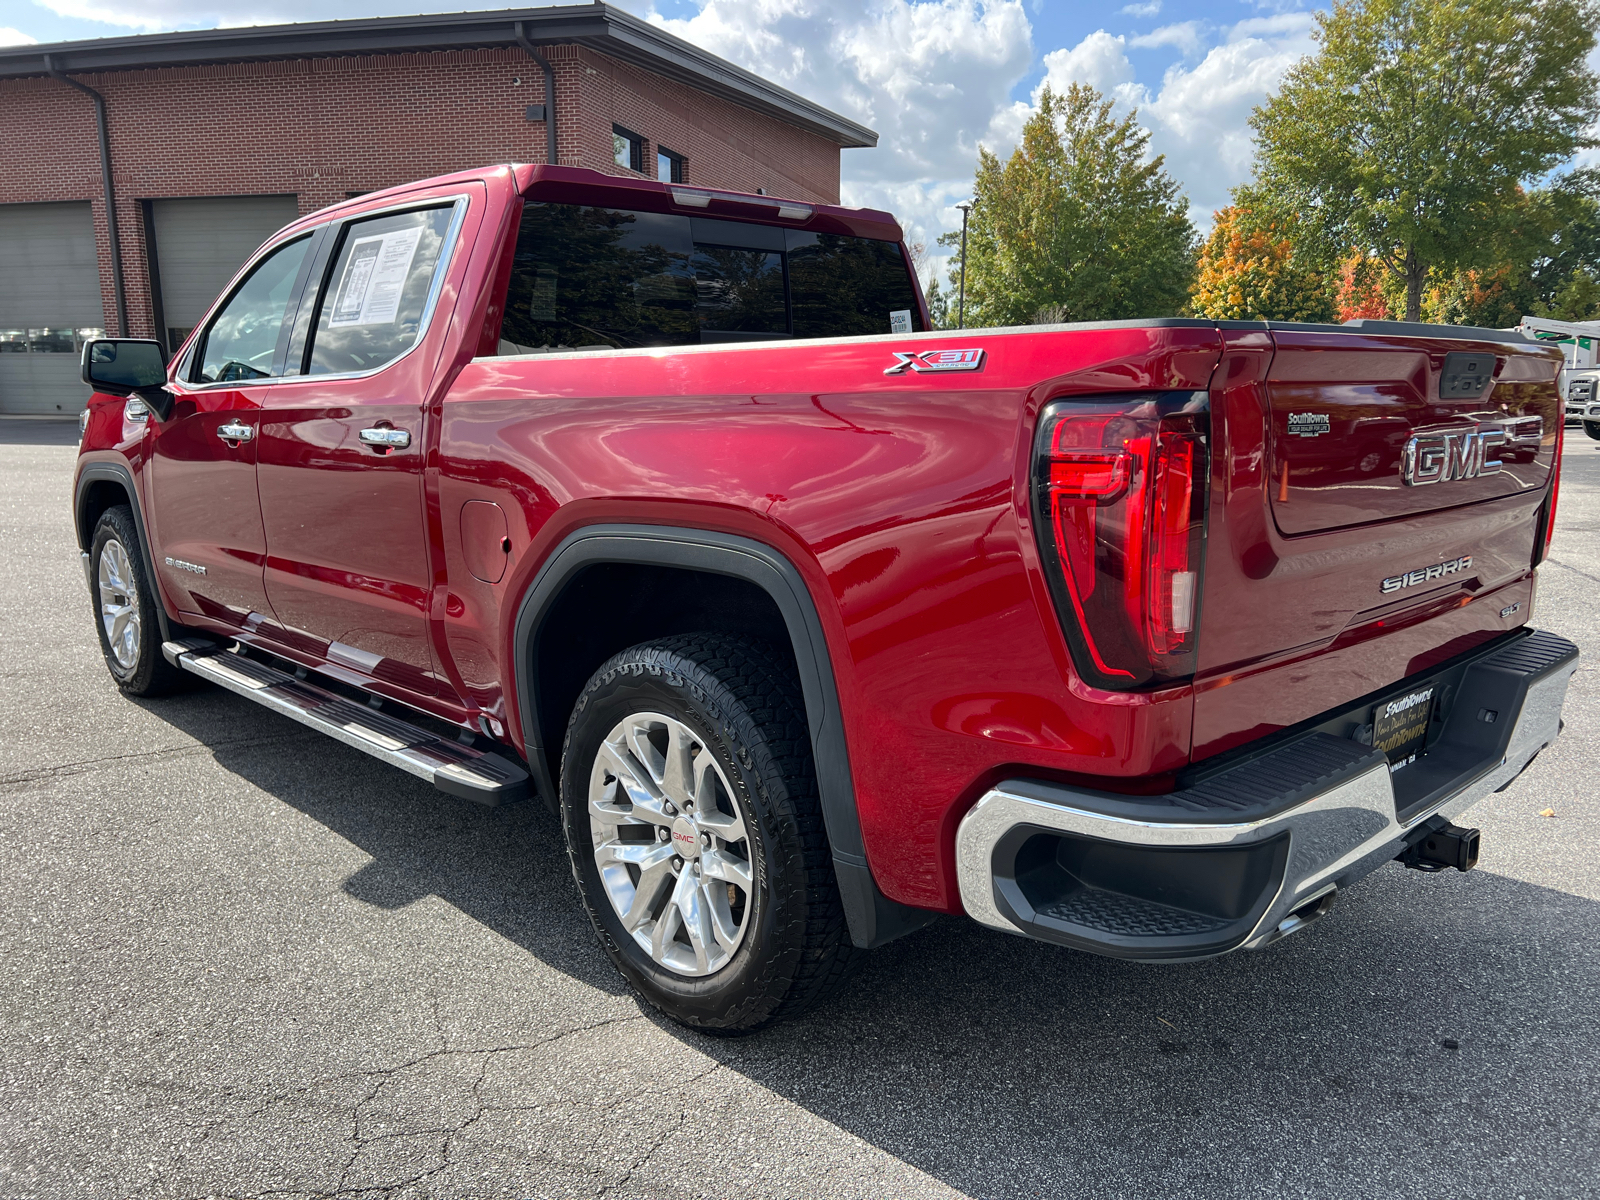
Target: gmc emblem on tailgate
<point x="1464" y="454"/>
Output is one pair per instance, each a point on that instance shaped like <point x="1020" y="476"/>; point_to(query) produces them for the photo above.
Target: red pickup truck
<point x="1145" y="638"/>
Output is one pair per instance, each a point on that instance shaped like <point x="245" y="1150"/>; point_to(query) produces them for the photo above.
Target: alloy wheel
<point x="119" y="604"/>
<point x="670" y="843"/>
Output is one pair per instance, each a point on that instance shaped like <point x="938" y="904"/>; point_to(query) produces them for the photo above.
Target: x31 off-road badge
<point x="926" y="362"/>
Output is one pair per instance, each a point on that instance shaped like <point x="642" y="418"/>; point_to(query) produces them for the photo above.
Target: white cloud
<point x="1199" y="116"/>
<point x="172" y="14"/>
<point x="1149" y="9"/>
<point x="1289" y="23"/>
<point x="1187" y="36"/>
<point x="1100" y="60"/>
<point x="15" y="37"/>
<point x="927" y="76"/>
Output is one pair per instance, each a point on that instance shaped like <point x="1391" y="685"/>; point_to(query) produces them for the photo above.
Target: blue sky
<point x="935" y="78"/>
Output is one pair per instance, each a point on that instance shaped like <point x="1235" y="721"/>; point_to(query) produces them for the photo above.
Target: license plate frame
<point x="1400" y="723"/>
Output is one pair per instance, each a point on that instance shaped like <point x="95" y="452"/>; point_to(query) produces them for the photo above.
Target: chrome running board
<point x="450" y="766"/>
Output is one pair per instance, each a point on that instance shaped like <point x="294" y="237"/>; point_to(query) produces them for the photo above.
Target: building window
<point x="628" y="148"/>
<point x="47" y="339"/>
<point x="669" y="166"/>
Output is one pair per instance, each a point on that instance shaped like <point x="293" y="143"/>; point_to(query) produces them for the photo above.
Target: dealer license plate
<point x="1400" y="724"/>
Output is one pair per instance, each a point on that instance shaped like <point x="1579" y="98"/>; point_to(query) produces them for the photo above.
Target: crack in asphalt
<point x="62" y="770"/>
<point x="683" y="1119"/>
<point x="1569" y="567"/>
<point x="383" y="1075"/>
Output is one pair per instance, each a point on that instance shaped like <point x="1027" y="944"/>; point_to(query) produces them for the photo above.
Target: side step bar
<point x="450" y="766"/>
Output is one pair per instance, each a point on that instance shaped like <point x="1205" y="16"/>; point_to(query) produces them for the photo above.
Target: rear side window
<point x="374" y="298"/>
<point x="844" y="285"/>
<point x="585" y="277"/>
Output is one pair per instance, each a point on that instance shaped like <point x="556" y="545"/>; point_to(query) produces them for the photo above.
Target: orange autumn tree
<point x="1360" y="292"/>
<point x="1248" y="271"/>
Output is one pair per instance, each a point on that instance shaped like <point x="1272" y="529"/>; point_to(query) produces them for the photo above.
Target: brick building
<point x="216" y="138"/>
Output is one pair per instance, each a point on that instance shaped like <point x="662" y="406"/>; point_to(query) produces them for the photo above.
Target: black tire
<point x="1592" y="428"/>
<point x="145" y="672"/>
<point x="741" y="702"/>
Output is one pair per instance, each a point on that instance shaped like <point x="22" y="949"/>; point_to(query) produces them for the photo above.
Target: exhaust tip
<point x="1304" y="914"/>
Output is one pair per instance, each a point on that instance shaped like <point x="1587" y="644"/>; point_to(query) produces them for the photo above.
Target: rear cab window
<point x="590" y="277"/>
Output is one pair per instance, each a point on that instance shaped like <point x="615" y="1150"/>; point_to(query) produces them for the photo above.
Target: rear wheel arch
<point x="749" y="588"/>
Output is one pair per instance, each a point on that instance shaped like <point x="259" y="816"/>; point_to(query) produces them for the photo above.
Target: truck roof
<point x="582" y="185"/>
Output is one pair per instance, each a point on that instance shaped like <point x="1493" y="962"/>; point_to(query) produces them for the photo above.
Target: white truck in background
<point x="1580" y="377"/>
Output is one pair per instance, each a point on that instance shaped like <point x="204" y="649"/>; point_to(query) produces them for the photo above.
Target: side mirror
<point x="129" y="367"/>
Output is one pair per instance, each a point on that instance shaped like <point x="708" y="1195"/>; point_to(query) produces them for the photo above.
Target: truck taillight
<point x="1119" y="503"/>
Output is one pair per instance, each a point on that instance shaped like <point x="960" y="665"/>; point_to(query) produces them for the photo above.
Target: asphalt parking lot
<point x="243" y="960"/>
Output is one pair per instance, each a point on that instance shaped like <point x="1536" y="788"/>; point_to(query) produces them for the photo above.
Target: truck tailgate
<point x="1375" y="503"/>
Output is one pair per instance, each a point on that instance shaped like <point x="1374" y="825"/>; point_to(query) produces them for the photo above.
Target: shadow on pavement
<point x="23" y="431"/>
<point x="1434" y="1035"/>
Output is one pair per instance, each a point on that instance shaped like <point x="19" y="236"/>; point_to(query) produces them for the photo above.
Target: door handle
<point x="235" y="432"/>
<point x="388" y="439"/>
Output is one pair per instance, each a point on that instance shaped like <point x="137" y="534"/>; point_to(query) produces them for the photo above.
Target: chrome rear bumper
<point x="1129" y="878"/>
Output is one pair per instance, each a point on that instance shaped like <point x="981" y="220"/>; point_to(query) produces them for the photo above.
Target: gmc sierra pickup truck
<point x="666" y="505"/>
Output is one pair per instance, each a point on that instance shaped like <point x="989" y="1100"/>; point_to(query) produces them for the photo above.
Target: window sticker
<point x="374" y="277"/>
<point x="542" y="306"/>
<point x="900" y="321"/>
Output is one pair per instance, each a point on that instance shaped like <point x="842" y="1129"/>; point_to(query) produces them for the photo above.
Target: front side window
<point x="374" y="297"/>
<point x="589" y="277"/>
<point x="243" y="337"/>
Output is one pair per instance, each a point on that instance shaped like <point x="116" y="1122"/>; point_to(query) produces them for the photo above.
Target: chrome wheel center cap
<point x="685" y="838"/>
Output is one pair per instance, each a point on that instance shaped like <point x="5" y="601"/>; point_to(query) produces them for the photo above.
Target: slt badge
<point x="926" y="362"/>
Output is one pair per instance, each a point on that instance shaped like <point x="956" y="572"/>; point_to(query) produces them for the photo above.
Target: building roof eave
<point x="598" y="26"/>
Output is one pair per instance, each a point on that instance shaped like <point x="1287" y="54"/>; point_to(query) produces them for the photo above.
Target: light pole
<point x="961" y="301"/>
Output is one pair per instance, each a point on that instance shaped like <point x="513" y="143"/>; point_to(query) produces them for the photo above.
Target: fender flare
<point x="120" y="475"/>
<point x="873" y="918"/>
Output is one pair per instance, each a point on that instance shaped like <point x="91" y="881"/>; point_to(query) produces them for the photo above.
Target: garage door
<point x="201" y="242"/>
<point x="49" y="303"/>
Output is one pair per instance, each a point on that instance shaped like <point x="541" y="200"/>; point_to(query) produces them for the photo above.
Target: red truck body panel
<point x="902" y="500"/>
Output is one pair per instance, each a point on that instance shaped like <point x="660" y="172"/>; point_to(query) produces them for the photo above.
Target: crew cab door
<point x="341" y="452"/>
<point x="210" y="545"/>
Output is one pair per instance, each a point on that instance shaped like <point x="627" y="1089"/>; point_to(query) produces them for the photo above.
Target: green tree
<point x="1563" y="252"/>
<point x="1079" y="220"/>
<point x="1408" y="133"/>
<point x="1249" y="271"/>
<point x="1577" y="299"/>
<point x="939" y="305"/>
<point x="1490" y="297"/>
